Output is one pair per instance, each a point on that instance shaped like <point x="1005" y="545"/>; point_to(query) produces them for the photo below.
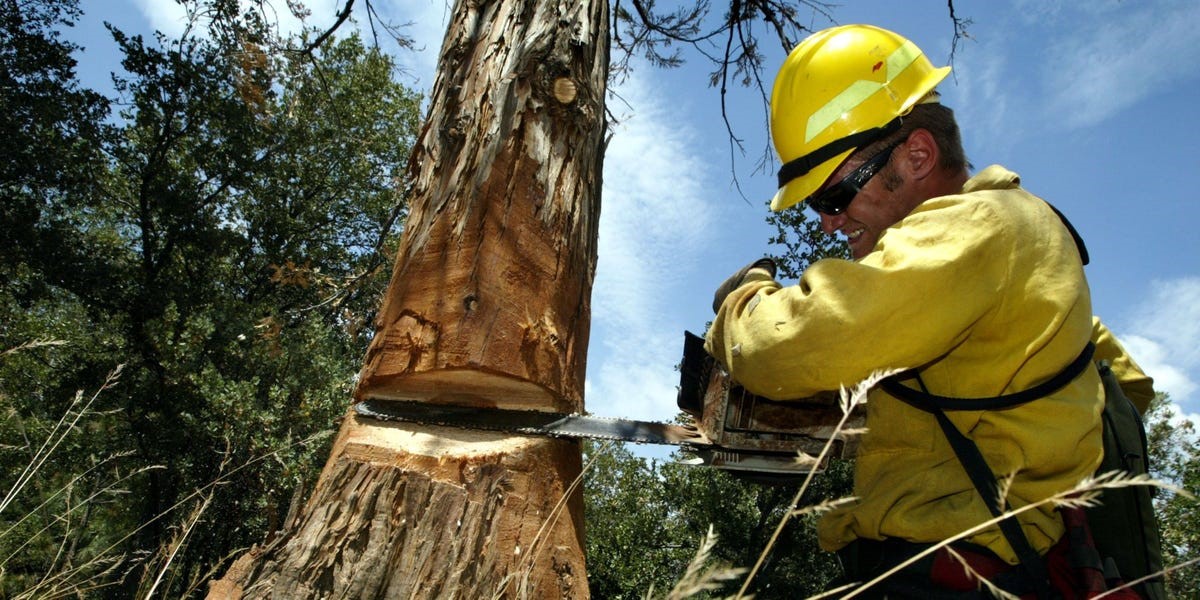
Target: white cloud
<point x="654" y="216"/>
<point x="1164" y="338"/>
<point x="1067" y="65"/>
<point x="1112" y="58"/>
<point x="1156" y="360"/>
<point x="981" y="95"/>
<point x="166" y="16"/>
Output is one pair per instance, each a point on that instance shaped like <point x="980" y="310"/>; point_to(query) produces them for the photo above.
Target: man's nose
<point x="831" y="223"/>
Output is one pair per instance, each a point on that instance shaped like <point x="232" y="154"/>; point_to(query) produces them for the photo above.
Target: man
<point x="971" y="282"/>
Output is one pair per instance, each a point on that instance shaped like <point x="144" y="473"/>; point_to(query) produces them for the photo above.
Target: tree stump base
<point x="411" y="511"/>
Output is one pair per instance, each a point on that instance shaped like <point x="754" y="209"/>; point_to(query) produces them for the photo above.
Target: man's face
<point x="874" y="209"/>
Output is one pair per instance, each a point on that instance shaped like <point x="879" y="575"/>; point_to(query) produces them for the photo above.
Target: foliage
<point x="802" y="240"/>
<point x="631" y="544"/>
<point x="226" y="237"/>
<point x="1175" y="458"/>
<point x="645" y="518"/>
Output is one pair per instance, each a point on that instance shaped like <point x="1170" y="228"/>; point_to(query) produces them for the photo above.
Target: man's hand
<point x="762" y="265"/>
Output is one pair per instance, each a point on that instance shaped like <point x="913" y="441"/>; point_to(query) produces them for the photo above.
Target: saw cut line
<point x="532" y="422"/>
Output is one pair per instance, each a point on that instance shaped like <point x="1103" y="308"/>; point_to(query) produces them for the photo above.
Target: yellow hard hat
<point x="841" y="89"/>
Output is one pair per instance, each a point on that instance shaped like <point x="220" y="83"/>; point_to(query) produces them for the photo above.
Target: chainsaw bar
<point x="532" y="422"/>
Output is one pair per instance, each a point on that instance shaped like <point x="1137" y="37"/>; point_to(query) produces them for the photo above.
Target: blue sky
<point x="1091" y="102"/>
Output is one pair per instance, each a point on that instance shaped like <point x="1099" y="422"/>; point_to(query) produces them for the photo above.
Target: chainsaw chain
<point x="532" y="422"/>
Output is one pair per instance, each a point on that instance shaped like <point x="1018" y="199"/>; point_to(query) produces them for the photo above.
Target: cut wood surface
<point x="428" y="512"/>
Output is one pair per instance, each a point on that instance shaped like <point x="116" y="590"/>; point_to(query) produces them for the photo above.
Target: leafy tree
<point x="802" y="240"/>
<point x="646" y="518"/>
<point x="745" y="514"/>
<point x="1175" y="458"/>
<point x="51" y="162"/>
<point x="634" y="539"/>
<point x="225" y="238"/>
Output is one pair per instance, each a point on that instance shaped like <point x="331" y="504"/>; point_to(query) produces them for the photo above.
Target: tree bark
<point x="489" y="305"/>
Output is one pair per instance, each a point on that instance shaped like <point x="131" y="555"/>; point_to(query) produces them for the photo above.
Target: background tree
<point x="646" y="517"/>
<point x="1175" y="458"/>
<point x="225" y="237"/>
<point x="635" y="540"/>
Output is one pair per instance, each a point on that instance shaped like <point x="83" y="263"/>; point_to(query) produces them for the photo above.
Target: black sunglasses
<point x="835" y="199"/>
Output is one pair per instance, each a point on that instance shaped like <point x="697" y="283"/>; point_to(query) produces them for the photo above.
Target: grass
<point x="57" y="515"/>
<point x="704" y="577"/>
<point x="109" y="566"/>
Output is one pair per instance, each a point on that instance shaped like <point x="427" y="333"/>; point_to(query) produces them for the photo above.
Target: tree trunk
<point x="489" y="305"/>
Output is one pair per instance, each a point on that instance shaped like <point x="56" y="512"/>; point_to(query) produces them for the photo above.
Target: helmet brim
<point x="799" y="189"/>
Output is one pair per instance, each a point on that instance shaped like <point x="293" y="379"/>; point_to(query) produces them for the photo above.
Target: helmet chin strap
<point x="802" y="165"/>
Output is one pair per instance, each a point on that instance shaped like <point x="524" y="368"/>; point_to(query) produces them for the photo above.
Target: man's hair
<point x="939" y="121"/>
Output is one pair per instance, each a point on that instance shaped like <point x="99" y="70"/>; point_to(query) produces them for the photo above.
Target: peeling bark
<point x="494" y="273"/>
<point x="489" y="305"/>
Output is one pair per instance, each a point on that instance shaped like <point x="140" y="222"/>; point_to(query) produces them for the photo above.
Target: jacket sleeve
<point x="914" y="297"/>
<point x="1138" y="386"/>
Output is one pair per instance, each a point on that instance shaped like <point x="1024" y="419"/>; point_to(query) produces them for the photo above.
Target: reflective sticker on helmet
<point x="899" y="59"/>
<point x="857" y="93"/>
<point x="840" y="104"/>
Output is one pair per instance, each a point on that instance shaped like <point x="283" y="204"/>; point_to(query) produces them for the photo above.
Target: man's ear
<point x="920" y="154"/>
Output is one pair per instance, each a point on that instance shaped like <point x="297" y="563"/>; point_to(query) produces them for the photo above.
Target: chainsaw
<point x="725" y="426"/>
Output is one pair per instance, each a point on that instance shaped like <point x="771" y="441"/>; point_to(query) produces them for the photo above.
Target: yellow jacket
<point x="984" y="293"/>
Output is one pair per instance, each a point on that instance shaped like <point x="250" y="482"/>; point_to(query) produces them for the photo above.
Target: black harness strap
<point x="1083" y="252"/>
<point x="926" y="401"/>
<point x="982" y="478"/>
<point x="981" y="475"/>
<point x="971" y="458"/>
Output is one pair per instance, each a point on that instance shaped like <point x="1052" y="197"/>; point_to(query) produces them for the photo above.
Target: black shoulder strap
<point x="1083" y="252"/>
<point x="985" y="483"/>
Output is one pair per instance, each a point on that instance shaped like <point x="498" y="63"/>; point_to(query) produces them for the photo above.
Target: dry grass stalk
<point x="111" y="488"/>
<point x="1085" y="494"/>
<point x="983" y="581"/>
<point x="32" y="344"/>
<point x="63" y="579"/>
<point x="849" y="400"/>
<point x="60" y="431"/>
<point x="823" y="507"/>
<point x="166" y="555"/>
<point x="1129" y="584"/>
<point x="700" y="576"/>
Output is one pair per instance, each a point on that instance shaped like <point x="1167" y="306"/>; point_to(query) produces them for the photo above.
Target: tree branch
<point x="341" y="18"/>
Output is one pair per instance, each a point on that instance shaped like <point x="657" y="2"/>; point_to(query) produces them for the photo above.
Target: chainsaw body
<point x="751" y="433"/>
